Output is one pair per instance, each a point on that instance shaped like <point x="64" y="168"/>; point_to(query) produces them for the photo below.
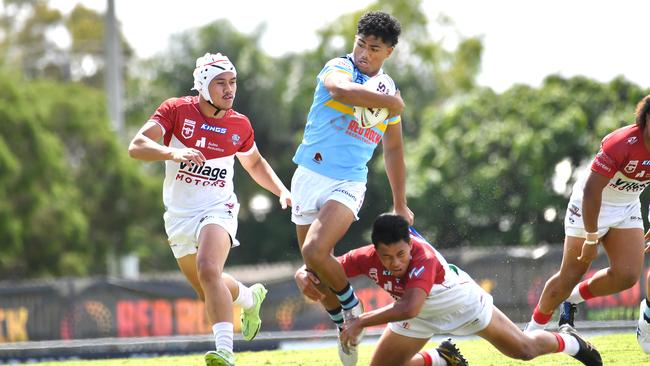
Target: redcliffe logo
<point x="188" y="128"/>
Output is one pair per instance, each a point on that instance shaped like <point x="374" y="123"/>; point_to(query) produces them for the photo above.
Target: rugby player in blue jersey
<point x="329" y="183"/>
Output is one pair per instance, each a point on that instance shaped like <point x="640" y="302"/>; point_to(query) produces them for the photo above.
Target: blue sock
<point x="347" y="298"/>
<point x="337" y="316"/>
<point x="646" y="312"/>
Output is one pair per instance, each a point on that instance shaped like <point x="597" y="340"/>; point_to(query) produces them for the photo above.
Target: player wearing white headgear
<point x="201" y="137"/>
<point x="207" y="68"/>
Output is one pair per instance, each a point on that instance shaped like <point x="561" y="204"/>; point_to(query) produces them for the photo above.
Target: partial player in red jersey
<point x="201" y="137"/>
<point x="433" y="297"/>
<point x="604" y="208"/>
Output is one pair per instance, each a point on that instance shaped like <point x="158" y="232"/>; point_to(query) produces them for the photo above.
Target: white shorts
<point x="310" y="191"/>
<point x="463" y="310"/>
<point x="617" y="217"/>
<point x="183" y="232"/>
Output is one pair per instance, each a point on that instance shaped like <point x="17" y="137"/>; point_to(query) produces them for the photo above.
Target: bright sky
<point x="524" y="40"/>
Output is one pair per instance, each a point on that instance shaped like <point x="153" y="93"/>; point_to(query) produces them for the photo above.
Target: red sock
<point x="541" y="318"/>
<point x="560" y="342"/>
<point x="583" y="288"/>
<point x="427" y="358"/>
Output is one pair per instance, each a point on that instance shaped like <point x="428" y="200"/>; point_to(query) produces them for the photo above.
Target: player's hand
<point x="285" y="199"/>
<point x="188" y="155"/>
<point x="406" y="213"/>
<point x="397" y="106"/>
<point x="589" y="253"/>
<point x="307" y="282"/>
<point x="351" y="331"/>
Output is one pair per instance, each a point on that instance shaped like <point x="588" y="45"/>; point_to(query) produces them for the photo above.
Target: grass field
<point x="617" y="350"/>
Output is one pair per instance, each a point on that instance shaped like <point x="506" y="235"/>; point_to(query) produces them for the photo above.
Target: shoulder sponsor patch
<point x="416" y="272"/>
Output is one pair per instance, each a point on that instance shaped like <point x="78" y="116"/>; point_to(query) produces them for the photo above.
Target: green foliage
<point x="481" y="172"/>
<point x="69" y="191"/>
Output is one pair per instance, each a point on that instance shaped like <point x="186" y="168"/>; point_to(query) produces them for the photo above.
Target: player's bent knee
<point x="314" y="254"/>
<point x="626" y="279"/>
<point x="208" y="273"/>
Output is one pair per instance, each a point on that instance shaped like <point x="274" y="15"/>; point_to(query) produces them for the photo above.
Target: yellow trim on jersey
<point x="396" y="121"/>
<point x="337" y="70"/>
<point x="343" y="108"/>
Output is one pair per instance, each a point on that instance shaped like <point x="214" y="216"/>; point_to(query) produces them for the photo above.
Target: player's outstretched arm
<point x="407" y="307"/>
<point x="144" y="147"/>
<point x="262" y="173"/>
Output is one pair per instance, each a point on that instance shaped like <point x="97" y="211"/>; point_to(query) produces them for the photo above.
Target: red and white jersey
<point x="189" y="188"/>
<point x="427" y="269"/>
<point x="624" y="158"/>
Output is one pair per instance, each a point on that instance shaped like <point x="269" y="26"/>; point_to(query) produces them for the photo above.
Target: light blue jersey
<point x="333" y="144"/>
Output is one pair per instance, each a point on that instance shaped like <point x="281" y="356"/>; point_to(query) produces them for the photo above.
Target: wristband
<point x="591" y="242"/>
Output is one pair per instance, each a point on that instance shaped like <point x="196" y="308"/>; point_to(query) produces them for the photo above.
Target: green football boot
<point x="250" y="318"/>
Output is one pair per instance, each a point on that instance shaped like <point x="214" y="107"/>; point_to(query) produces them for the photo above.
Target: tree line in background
<point x="483" y="167"/>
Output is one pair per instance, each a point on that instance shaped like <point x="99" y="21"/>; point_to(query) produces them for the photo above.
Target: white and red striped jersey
<point x="427" y="269"/>
<point x="189" y="188"/>
<point x="624" y="158"/>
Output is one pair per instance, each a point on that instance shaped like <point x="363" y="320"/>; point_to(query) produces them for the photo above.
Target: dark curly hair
<point x="380" y="25"/>
<point x="390" y="228"/>
<point x="643" y="111"/>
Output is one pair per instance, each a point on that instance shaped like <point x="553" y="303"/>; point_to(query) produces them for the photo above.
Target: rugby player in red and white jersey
<point x="604" y="208"/>
<point x="201" y="137"/>
<point x="432" y="297"/>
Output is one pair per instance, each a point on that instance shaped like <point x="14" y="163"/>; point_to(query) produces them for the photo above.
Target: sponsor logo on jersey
<point x="372" y="273"/>
<point x="631" y="166"/>
<point x="214" y="129"/>
<point x="646" y="162"/>
<point x="628" y="186"/>
<point x="235" y="139"/>
<point x="632" y="140"/>
<point x="200" y="142"/>
<point x="367" y="135"/>
<point x="416" y="272"/>
<point x="214" y="146"/>
<point x="205" y="171"/>
<point x="188" y="128"/>
<point x="317" y="158"/>
<point x="203" y="175"/>
<point x="603" y="161"/>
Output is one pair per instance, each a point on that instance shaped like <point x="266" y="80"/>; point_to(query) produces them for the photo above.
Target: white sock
<point x="245" y="299"/>
<point x="223" y="334"/>
<point x="533" y="325"/>
<point x="575" y="297"/>
<point x="571" y="345"/>
<point x="436" y="360"/>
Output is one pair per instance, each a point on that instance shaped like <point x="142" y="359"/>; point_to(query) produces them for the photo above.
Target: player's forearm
<point x="396" y="173"/>
<point x="355" y="94"/>
<point x="144" y="148"/>
<point x="389" y="313"/>
<point x="590" y="211"/>
<point x="265" y="176"/>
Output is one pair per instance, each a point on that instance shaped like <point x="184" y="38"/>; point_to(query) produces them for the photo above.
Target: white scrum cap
<point x="207" y="68"/>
